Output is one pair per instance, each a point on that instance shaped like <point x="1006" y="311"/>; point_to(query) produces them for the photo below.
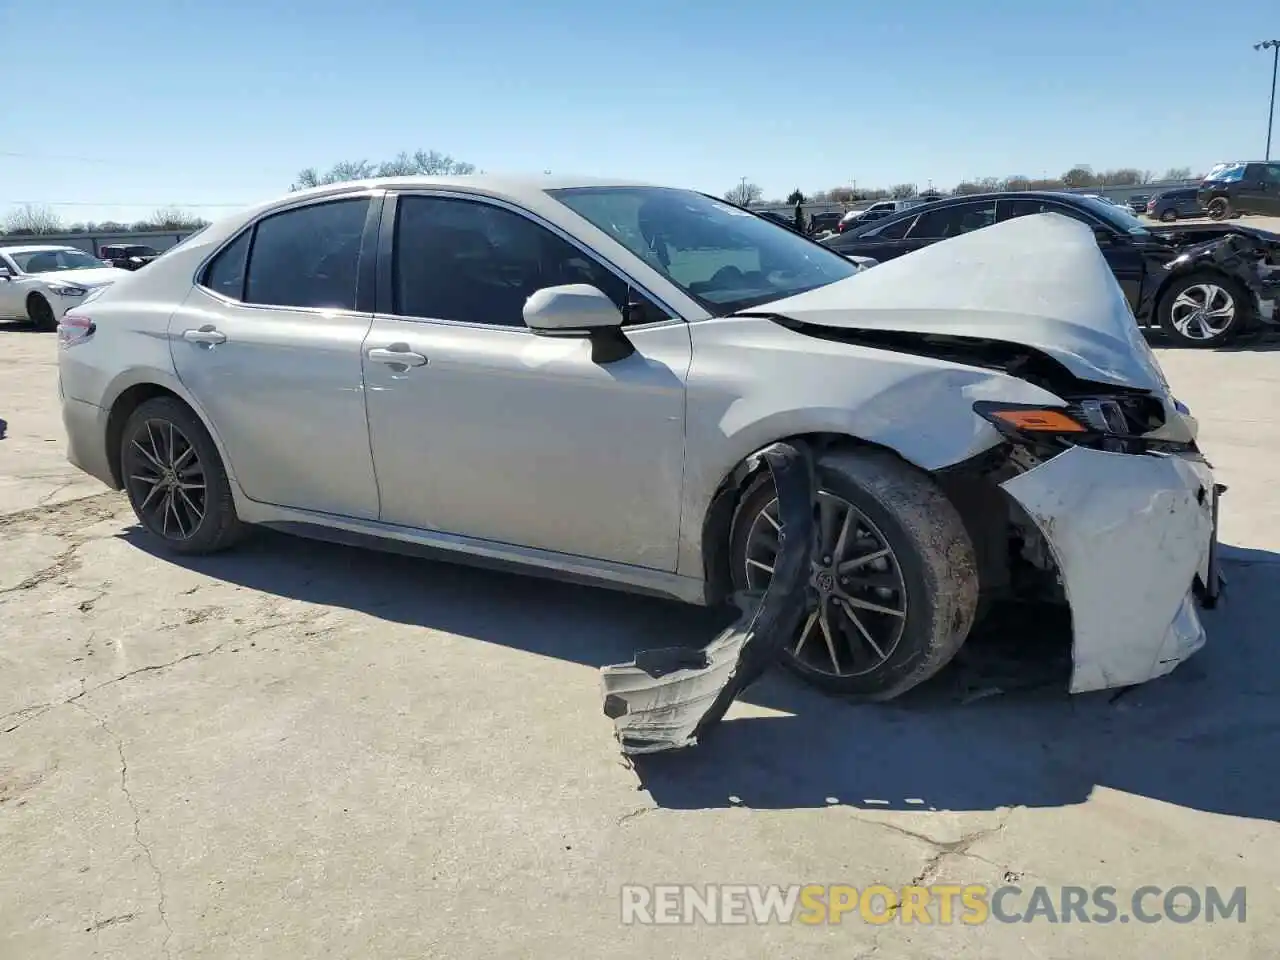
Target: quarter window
<point x="478" y="263"/>
<point x="308" y="257"/>
<point x="225" y="275"/>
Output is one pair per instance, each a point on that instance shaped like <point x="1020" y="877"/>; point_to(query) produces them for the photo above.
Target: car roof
<point x="39" y="248"/>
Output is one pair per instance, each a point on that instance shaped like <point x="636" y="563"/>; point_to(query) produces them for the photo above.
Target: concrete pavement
<point x="304" y="750"/>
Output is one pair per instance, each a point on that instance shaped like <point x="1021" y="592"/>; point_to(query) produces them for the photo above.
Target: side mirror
<point x="579" y="310"/>
<point x="1105" y="237"/>
<point x="5" y="273"/>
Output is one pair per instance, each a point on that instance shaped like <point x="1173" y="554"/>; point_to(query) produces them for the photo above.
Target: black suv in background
<point x="1174" y="204"/>
<point x="1230" y="189"/>
<point x="128" y="256"/>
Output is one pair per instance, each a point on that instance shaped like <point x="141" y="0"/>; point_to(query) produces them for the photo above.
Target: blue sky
<point x="115" y="109"/>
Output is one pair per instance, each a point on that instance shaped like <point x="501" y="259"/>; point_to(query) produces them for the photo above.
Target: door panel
<point x="269" y="345"/>
<point x="284" y="393"/>
<point x="508" y="436"/>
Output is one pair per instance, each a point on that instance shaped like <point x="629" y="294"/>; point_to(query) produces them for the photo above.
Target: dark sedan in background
<point x="128" y="256"/>
<point x="1201" y="284"/>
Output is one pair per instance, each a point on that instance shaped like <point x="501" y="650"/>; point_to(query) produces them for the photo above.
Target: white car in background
<point x="41" y="282"/>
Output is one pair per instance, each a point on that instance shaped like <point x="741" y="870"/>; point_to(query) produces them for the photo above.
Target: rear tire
<point x="928" y="571"/>
<point x="40" y="313"/>
<point x="1169" y="216"/>
<point x="175" y="479"/>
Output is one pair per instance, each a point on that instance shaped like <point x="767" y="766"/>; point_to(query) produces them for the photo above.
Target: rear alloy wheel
<point x="1202" y="310"/>
<point x="893" y="586"/>
<point x="40" y="313"/>
<point x="175" y="480"/>
<point x="1219" y="208"/>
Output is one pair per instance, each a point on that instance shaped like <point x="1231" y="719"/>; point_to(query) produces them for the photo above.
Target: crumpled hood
<point x="1039" y="281"/>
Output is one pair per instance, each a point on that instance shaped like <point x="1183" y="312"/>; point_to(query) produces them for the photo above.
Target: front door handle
<point x="206" y="334"/>
<point x="397" y="355"/>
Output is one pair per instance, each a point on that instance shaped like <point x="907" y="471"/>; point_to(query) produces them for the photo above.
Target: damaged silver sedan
<point x="584" y="379"/>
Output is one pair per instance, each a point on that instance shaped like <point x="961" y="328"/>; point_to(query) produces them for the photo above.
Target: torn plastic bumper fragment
<point x="669" y="698"/>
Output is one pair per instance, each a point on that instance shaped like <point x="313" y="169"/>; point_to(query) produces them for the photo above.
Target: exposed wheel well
<point x="125" y="404"/>
<point x="724" y="504"/>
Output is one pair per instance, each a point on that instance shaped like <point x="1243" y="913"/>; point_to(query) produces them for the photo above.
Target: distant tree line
<point x="1082" y="175"/>
<point x="427" y="163"/>
<point x="35" y="220"/>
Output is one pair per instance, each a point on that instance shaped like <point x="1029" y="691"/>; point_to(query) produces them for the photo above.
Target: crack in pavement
<point x="161" y="897"/>
<point x="944" y="848"/>
<point x="38" y="710"/>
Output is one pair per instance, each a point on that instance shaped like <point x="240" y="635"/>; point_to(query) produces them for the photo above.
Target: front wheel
<point x="893" y="585"/>
<point x="40" y="313"/>
<point x="1219" y="208"/>
<point x="175" y="479"/>
<point x="1202" y="309"/>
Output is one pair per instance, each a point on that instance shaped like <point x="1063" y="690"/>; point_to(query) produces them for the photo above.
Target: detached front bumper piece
<point x="669" y="698"/>
<point x="1131" y="536"/>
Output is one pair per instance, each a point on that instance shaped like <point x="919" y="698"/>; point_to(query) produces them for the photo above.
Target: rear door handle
<point x="206" y="334"/>
<point x="402" y="357"/>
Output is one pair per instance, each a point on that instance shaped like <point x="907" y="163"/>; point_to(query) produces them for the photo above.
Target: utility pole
<point x="742" y="192"/>
<point x="1274" y="47"/>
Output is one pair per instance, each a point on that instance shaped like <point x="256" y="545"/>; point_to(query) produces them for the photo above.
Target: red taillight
<point x="74" y="328"/>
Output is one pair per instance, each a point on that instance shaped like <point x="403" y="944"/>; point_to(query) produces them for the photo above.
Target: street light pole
<point x="1274" y="47"/>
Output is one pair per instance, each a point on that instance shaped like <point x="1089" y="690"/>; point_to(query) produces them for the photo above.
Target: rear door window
<point x="308" y="257"/>
<point x="225" y="274"/>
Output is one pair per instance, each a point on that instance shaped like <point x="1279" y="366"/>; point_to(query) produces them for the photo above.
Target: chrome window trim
<point x="674" y="316"/>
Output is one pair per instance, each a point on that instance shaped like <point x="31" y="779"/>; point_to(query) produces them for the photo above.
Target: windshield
<point x="47" y="261"/>
<point x="1116" y="215"/>
<point x="1225" y="173"/>
<point x="725" y="258"/>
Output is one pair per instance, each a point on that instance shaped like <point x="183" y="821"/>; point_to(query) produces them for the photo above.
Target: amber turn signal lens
<point x="1039" y="421"/>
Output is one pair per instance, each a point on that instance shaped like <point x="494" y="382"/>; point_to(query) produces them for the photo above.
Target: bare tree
<point x="1177" y="173"/>
<point x="175" y="218"/>
<point x="32" y="220"/>
<point x="744" y="194"/>
<point x="429" y="163"/>
<point x="1081" y="175"/>
<point x="903" y="191"/>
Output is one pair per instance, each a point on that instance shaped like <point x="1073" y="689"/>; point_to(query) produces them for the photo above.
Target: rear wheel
<point x="40" y="313"/>
<point x="1219" y="208"/>
<point x="1169" y="216"/>
<point x="1203" y="309"/>
<point x="175" y="479"/>
<point x="893" y="586"/>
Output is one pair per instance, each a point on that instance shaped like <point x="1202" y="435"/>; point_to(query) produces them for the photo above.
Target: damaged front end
<point x="1122" y="523"/>
<point x="669" y="698"/>
<point x="1252" y="257"/>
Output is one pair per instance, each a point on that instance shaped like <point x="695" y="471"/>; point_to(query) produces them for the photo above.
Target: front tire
<point x="894" y="585"/>
<point x="1203" y="309"/>
<point x="1219" y="208"/>
<point x="175" y="479"/>
<point x="40" y="313"/>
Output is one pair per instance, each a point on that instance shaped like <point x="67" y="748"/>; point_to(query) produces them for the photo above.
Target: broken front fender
<point x="1130" y="534"/>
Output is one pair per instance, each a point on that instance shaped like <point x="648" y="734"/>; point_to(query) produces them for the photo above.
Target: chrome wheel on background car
<point x="1219" y="208"/>
<point x="861" y="599"/>
<point x="1201" y="310"/>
